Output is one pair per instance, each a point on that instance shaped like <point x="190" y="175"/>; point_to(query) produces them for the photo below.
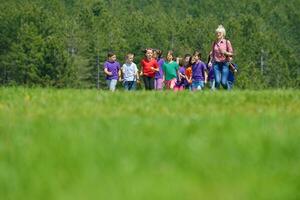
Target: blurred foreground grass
<point x="89" y="144"/>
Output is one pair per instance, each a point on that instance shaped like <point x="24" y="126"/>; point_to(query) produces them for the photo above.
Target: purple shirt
<point x="198" y="69"/>
<point x="160" y="73"/>
<point x="113" y="67"/>
<point x="211" y="75"/>
<point x="183" y="80"/>
<point x="182" y="70"/>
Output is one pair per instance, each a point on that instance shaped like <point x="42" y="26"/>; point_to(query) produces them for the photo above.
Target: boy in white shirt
<point x="130" y="73"/>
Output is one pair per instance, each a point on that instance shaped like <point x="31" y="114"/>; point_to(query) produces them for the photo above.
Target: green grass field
<point x="88" y="144"/>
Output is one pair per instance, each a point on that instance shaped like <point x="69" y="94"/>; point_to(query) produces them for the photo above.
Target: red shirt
<point x="147" y="65"/>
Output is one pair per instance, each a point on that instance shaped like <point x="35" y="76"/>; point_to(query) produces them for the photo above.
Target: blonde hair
<point x="221" y="29"/>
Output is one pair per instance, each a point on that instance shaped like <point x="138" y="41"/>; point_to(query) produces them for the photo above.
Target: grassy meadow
<point x="68" y="144"/>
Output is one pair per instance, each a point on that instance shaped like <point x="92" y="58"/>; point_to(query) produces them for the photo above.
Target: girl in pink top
<point x="221" y="54"/>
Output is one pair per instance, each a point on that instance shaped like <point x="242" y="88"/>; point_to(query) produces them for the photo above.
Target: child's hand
<point x="210" y="64"/>
<point x="109" y="73"/>
<point x="120" y="79"/>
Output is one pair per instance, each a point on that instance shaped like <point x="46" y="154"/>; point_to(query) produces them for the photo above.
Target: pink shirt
<point x="217" y="48"/>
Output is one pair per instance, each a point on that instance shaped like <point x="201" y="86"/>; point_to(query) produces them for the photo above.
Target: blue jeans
<point x="197" y="85"/>
<point x="111" y="84"/>
<point x="130" y="85"/>
<point x="221" y="71"/>
<point x="212" y="84"/>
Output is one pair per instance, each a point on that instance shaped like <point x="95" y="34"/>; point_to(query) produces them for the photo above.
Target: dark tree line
<point x="61" y="43"/>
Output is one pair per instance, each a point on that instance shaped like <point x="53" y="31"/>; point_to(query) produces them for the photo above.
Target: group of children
<point x="171" y="73"/>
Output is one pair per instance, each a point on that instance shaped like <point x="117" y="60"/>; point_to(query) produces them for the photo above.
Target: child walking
<point x="199" y="72"/>
<point x="149" y="67"/>
<point x="170" y="68"/>
<point x="130" y="73"/>
<point x="188" y="73"/>
<point x="181" y="78"/>
<point x="158" y="79"/>
<point x="112" y="71"/>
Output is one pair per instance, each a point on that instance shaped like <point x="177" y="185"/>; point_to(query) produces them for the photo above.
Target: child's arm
<point x="179" y="75"/>
<point x="141" y="73"/>
<point x="120" y="75"/>
<point x="122" y="72"/>
<point x="123" y="69"/>
<point x="107" y="72"/>
<point x="137" y="77"/>
<point x="155" y="69"/>
<point x="137" y="74"/>
<point x="186" y="77"/>
<point x="182" y="75"/>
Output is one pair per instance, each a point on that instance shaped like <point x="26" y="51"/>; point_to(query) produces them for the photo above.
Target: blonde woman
<point x="221" y="53"/>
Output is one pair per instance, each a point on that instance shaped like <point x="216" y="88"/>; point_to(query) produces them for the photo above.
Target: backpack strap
<point x="228" y="51"/>
<point x="226" y="45"/>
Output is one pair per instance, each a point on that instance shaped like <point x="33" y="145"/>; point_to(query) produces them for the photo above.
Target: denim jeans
<point x="130" y="85"/>
<point x="221" y="71"/>
<point x="111" y="84"/>
<point x="197" y="85"/>
<point x="212" y="84"/>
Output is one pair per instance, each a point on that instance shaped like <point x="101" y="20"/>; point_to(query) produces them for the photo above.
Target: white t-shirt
<point x="129" y="71"/>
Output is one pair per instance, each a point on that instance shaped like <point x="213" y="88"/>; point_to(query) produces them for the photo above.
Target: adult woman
<point x="221" y="54"/>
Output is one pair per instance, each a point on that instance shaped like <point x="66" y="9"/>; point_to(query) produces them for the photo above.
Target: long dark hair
<point x="190" y="61"/>
<point x="159" y="53"/>
<point x="208" y="59"/>
<point x="197" y="53"/>
<point x="171" y="53"/>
